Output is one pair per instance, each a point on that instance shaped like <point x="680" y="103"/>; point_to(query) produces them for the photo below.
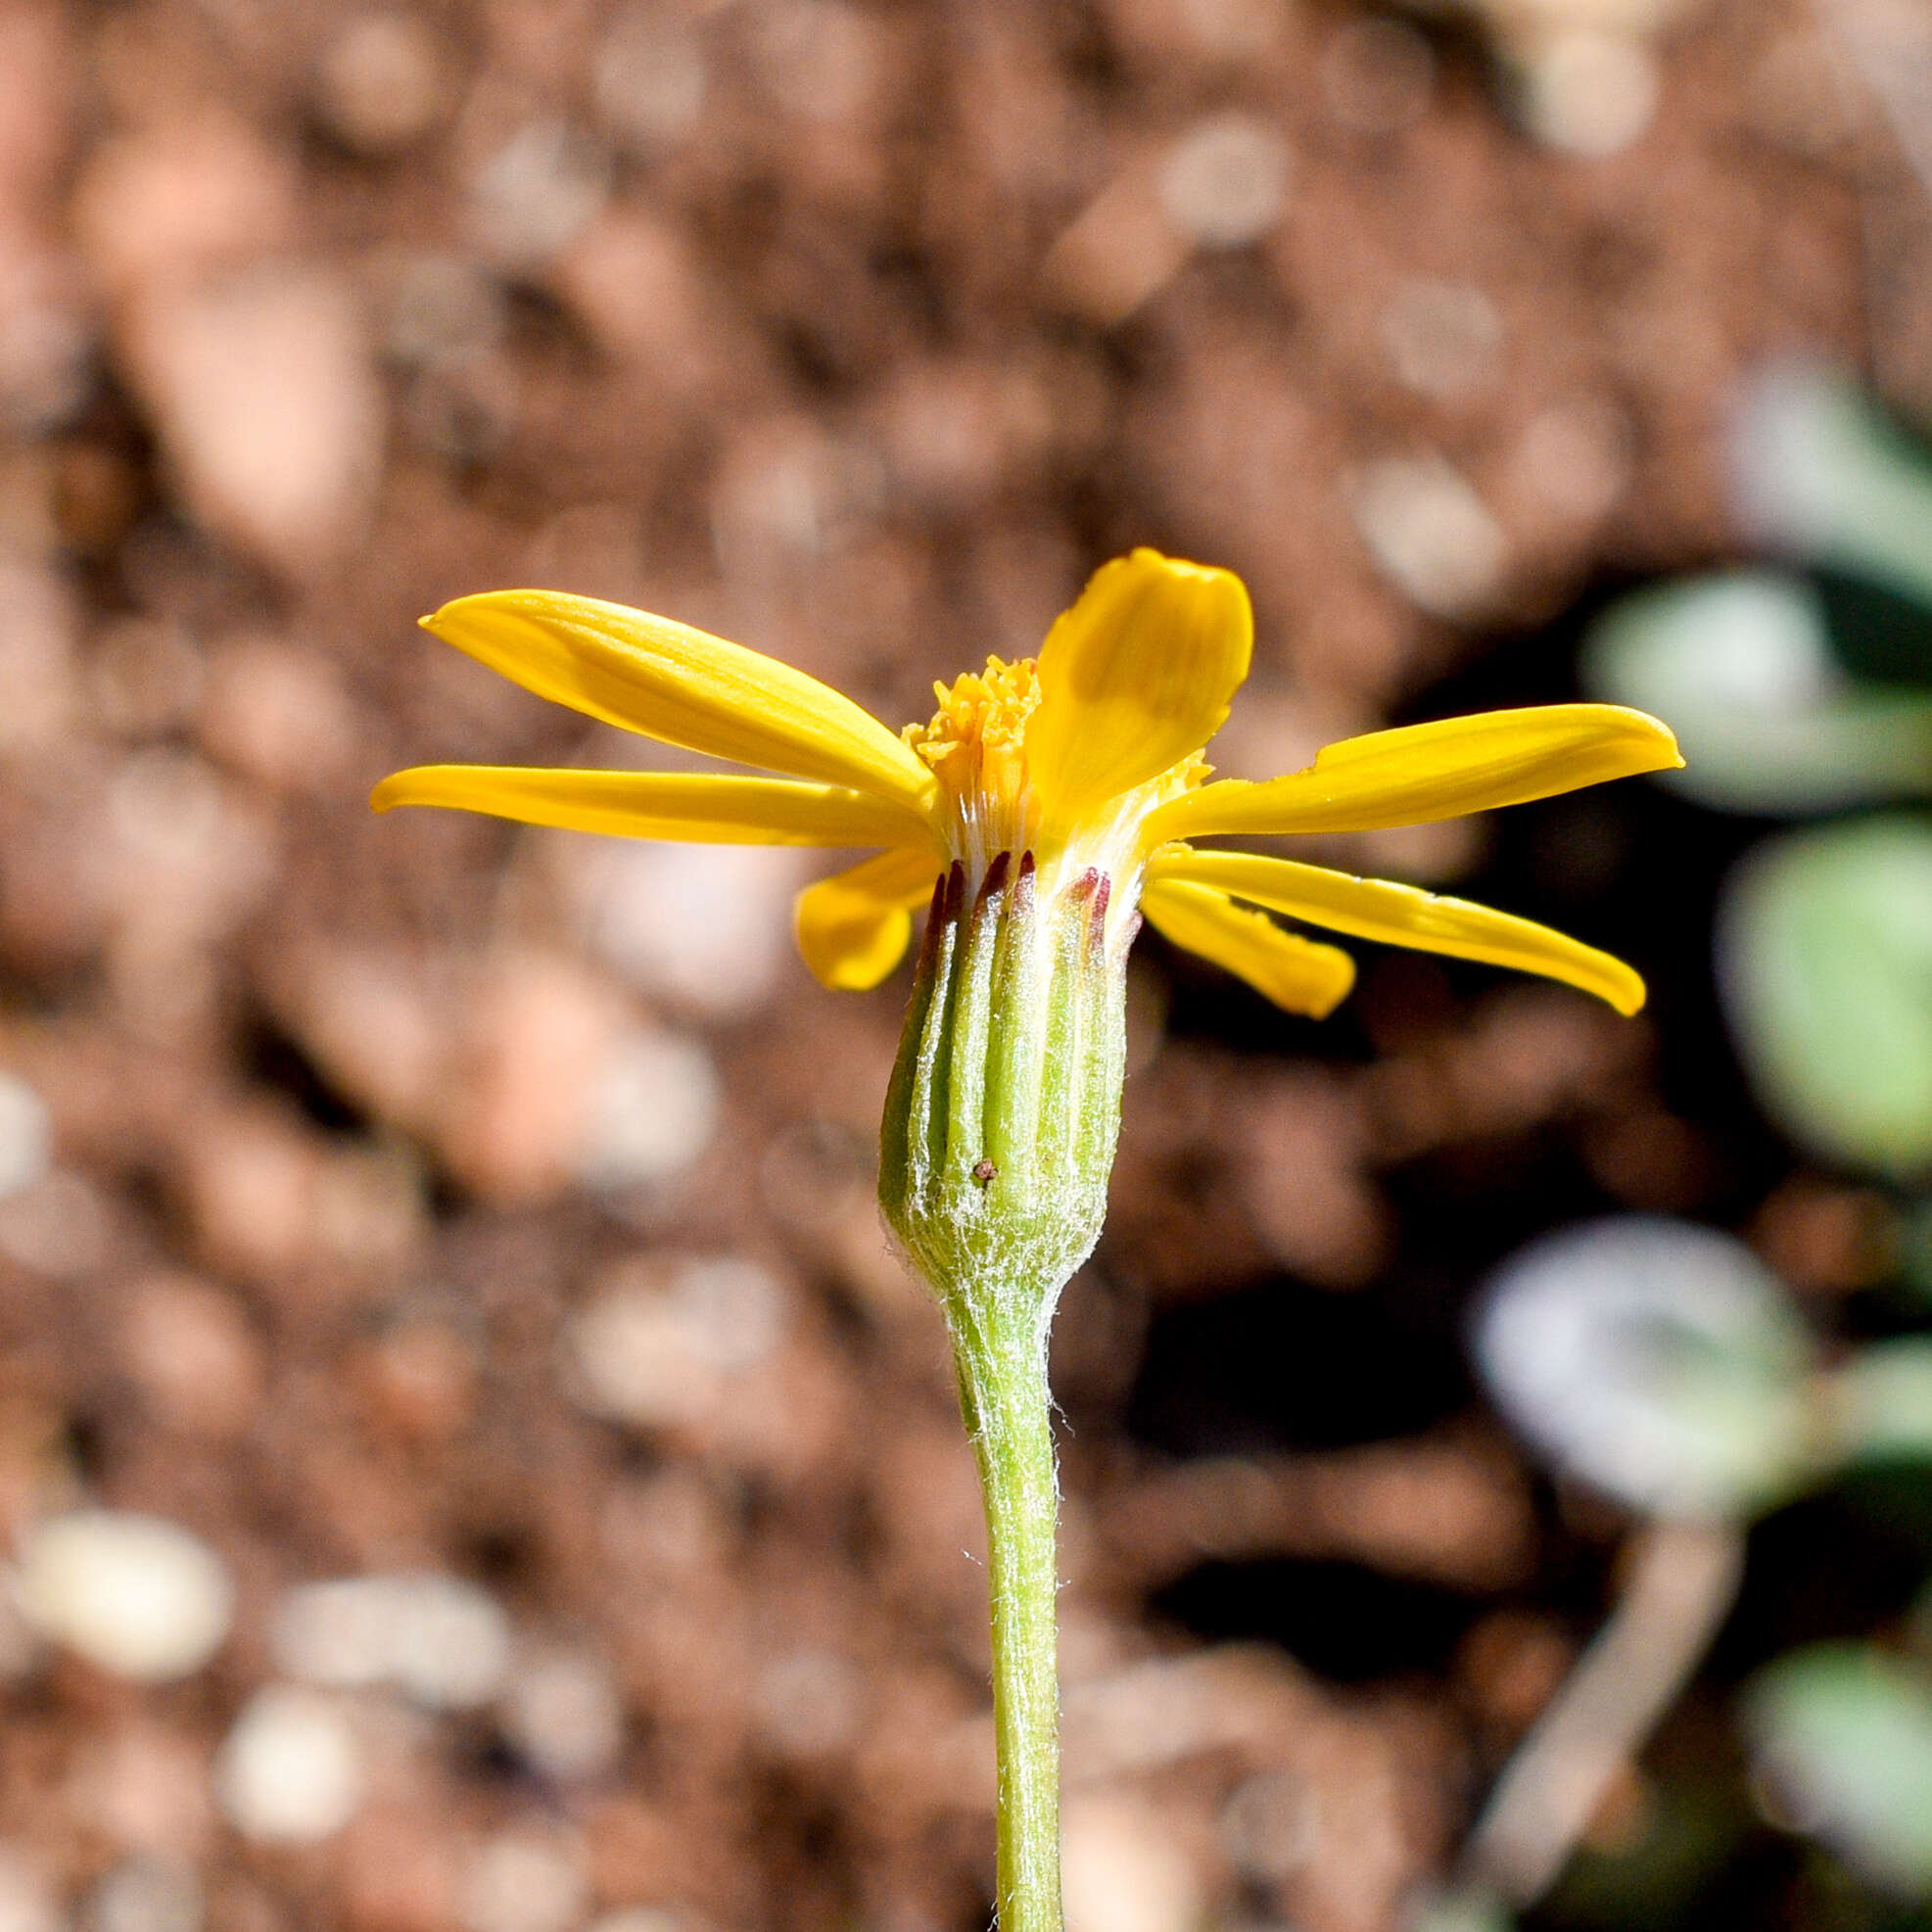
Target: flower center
<point x="975" y="746"/>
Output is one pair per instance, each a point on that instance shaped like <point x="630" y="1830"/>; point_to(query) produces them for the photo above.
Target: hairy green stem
<point x="1003" y="1394"/>
<point x="994" y="1155"/>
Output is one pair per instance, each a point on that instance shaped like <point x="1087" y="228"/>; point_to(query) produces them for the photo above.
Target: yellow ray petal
<point x="1295" y="973"/>
<point x="702" y="807"/>
<point x="1420" y="773"/>
<point x="684" y="686"/>
<point x="1134" y="677"/>
<point x="854" y="928"/>
<point x="1403" y="915"/>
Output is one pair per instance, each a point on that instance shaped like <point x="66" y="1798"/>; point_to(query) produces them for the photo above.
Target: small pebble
<point x="785" y="491"/>
<point x="57" y="1226"/>
<point x="26" y="1135"/>
<point x="539" y="191"/>
<point x="36" y="657"/>
<point x="1444" y="339"/>
<point x="261" y="388"/>
<point x="1123" y="1871"/>
<point x="136" y="1595"/>
<point x="145" y="1894"/>
<point x="278" y="713"/>
<point x="706" y="926"/>
<point x="1590" y="93"/>
<point x="636" y="1918"/>
<point x="650" y="80"/>
<point x="821" y="58"/>
<point x="1226" y="181"/>
<point x="26" y="1901"/>
<point x="442" y="1642"/>
<point x="563" y="1717"/>
<point x="1269" y="1827"/>
<point x="1430" y="532"/>
<point x="1572" y="460"/>
<point x="191" y="1349"/>
<point x="291" y="1770"/>
<point x="655" y="1351"/>
<point x="1120" y="249"/>
<point x="380" y="85"/>
<point x="654" y="1108"/>
<point x="444" y="310"/>
<point x="808" y="1703"/>
<point x="525" y="1881"/>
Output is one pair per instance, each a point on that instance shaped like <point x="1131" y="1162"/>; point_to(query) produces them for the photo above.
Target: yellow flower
<point x="1087" y="757"/>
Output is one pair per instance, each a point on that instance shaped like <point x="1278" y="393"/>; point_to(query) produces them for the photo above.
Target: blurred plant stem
<point x="1002" y="1394"/>
<point x="1683" y="1578"/>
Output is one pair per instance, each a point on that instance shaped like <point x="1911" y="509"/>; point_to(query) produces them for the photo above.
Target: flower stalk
<point x="1003" y="1396"/>
<point x="998" y="1138"/>
<point x="1055" y="799"/>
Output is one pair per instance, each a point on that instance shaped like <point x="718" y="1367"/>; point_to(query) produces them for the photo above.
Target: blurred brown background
<point x="478" y="1222"/>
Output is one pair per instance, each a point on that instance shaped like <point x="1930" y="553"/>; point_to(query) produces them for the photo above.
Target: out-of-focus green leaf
<point x="1881" y="1401"/>
<point x="1842" y="1737"/>
<point x="1740" y="667"/>
<point x="1824" y="476"/>
<point x="1825" y="961"/>
<point x="1658" y="1360"/>
<point x="1465" y="1910"/>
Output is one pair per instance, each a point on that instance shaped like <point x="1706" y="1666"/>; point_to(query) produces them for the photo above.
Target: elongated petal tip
<point x="1626" y="993"/>
<point x="1644" y="728"/>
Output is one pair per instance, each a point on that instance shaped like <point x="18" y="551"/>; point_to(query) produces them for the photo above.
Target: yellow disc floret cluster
<point x="975" y="746"/>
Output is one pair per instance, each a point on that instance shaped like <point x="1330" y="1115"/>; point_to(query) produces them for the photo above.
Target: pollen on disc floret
<point x="975" y="746"/>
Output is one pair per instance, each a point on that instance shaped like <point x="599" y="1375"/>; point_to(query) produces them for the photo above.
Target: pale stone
<point x="1572" y="461"/>
<point x="563" y="1717"/>
<point x="1590" y="93"/>
<point x="654" y="1107"/>
<point x="262" y="391"/>
<point x="539" y="191"/>
<point x="178" y="200"/>
<point x="26" y="1901"/>
<point x="650" y="80"/>
<point x="706" y="928"/>
<point x="1225" y="182"/>
<point x="57" y="1226"/>
<point x="380" y="85"/>
<point x="291" y="1770"/>
<point x="137" y="1595"/>
<point x="278" y="713"/>
<point x="443" y="1643"/>
<point x="1430" y="532"/>
<point x="1123" y="1871"/>
<point x="1119" y="251"/>
<point x="145" y="1894"/>
<point x="525" y="1881"/>
<point x="1444" y="339"/>
<point x="808" y="1703"/>
<point x="36" y="657"/>
<point x="658" y="1346"/>
<point x="26" y="1135"/>
<point x="190" y="1348"/>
